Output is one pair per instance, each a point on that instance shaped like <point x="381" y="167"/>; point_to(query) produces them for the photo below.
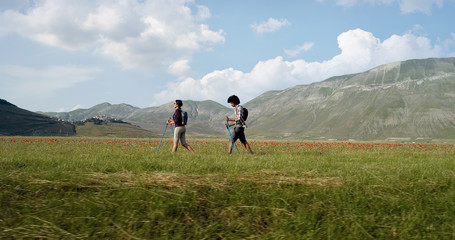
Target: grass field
<point x="99" y="188"/>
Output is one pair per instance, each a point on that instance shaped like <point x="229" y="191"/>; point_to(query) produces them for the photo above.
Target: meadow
<point x="100" y="188"/>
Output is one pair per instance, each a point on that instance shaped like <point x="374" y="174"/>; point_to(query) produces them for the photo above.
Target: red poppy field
<point x="100" y="188"/>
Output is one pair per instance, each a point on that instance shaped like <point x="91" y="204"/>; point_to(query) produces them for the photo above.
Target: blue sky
<point x="60" y="55"/>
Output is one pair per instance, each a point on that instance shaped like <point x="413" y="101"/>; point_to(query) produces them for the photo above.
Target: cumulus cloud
<point x="179" y="67"/>
<point x="406" y="6"/>
<point x="294" y="52"/>
<point x="360" y="51"/>
<point x="271" y="25"/>
<point x="145" y="34"/>
<point x="26" y="81"/>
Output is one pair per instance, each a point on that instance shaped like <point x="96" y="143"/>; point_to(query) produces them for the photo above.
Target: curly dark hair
<point x="234" y="99"/>
<point x="179" y="103"/>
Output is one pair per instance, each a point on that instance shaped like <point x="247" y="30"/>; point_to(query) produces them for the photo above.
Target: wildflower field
<point x="99" y="188"/>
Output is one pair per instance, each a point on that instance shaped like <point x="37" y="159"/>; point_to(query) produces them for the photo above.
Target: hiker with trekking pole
<point x="240" y="115"/>
<point x="180" y="119"/>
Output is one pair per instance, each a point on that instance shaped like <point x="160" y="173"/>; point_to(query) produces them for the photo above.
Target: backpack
<point x="245" y="113"/>
<point x="184" y="118"/>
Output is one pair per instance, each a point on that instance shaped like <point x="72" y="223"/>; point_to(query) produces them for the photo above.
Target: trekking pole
<point x="161" y="139"/>
<point x="230" y="137"/>
<point x="172" y="129"/>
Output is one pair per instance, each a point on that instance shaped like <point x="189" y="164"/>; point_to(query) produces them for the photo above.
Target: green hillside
<point x="206" y="117"/>
<point x="412" y="99"/>
<point x="119" y="111"/>
<point x="17" y="121"/>
<point x="111" y="129"/>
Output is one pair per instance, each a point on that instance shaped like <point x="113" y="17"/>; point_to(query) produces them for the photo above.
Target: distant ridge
<point x="412" y="100"/>
<point x="206" y="117"/>
<point x="103" y="126"/>
<point x="16" y="121"/>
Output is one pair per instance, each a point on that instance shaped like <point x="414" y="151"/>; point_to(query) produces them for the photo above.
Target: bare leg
<point x="187" y="146"/>
<point x="174" y="148"/>
<point x="230" y="148"/>
<point x="248" y="148"/>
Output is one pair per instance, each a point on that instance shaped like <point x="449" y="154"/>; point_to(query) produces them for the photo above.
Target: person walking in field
<point x="180" y="129"/>
<point x="238" y="122"/>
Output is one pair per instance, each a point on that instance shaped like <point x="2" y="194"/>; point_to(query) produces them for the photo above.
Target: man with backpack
<point x="238" y="122"/>
<point x="179" y="119"/>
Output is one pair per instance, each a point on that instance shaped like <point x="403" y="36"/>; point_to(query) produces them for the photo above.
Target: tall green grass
<point x="122" y="189"/>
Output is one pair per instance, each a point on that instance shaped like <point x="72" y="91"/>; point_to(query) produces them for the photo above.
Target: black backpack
<point x="245" y="113"/>
<point x="184" y="118"/>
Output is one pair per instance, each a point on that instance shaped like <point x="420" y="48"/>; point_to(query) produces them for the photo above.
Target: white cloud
<point x="350" y="3"/>
<point x="26" y="81"/>
<point x="179" y="67"/>
<point x="294" y="52"/>
<point x="145" y="34"/>
<point x="346" y="3"/>
<point x="410" y="6"/>
<point x="78" y="106"/>
<point x="406" y="6"/>
<point x="203" y="13"/>
<point x="360" y="51"/>
<point x="449" y="43"/>
<point x="271" y="25"/>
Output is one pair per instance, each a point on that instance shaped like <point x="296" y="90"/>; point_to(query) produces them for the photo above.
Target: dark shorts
<point x="239" y="134"/>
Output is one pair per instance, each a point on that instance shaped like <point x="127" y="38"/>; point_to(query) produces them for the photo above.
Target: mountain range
<point x="16" y="121"/>
<point x="206" y="118"/>
<point x="412" y="99"/>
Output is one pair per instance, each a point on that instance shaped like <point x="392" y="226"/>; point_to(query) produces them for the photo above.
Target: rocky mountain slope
<point x="413" y="99"/>
<point x="17" y="121"/>
<point x="206" y="117"/>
